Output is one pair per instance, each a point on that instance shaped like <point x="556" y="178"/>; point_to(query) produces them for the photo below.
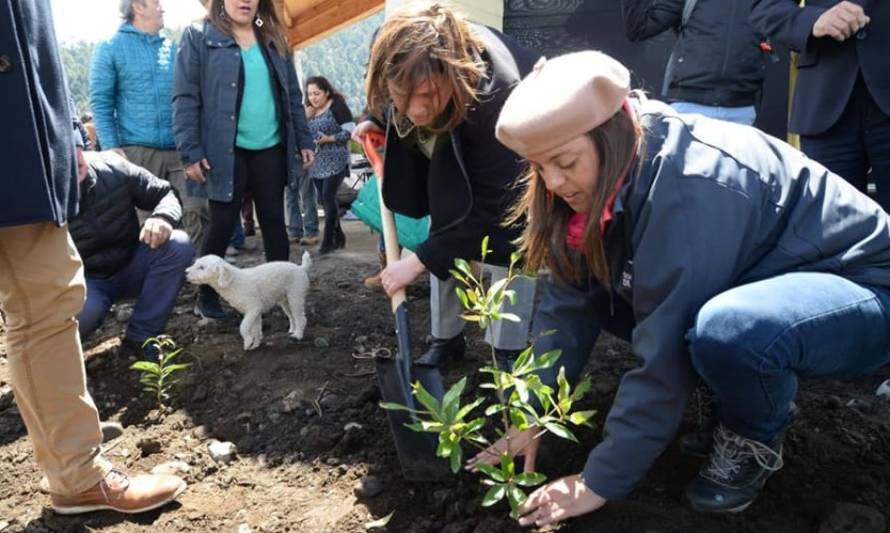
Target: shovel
<point x="416" y="450"/>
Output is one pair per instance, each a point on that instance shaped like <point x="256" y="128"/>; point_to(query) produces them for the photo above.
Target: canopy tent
<point x="308" y="21"/>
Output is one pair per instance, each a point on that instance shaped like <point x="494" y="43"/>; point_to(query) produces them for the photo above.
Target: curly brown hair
<point x="417" y="43"/>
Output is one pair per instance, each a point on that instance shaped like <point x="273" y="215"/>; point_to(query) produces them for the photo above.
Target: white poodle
<point x="253" y="291"/>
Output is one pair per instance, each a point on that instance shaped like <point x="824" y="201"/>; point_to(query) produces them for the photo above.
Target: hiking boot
<point x="123" y="493"/>
<point x="734" y="473"/>
<point x="701" y="442"/>
<point x="310" y="240"/>
<point x="208" y="306"/>
<point x="441" y="349"/>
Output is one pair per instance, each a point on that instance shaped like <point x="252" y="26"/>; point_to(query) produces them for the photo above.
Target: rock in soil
<point x="368" y="487"/>
<point x="884" y="389"/>
<point x="321" y="342"/>
<point x="148" y="447"/>
<point x="853" y="518"/>
<point x="222" y="452"/>
<point x="111" y="431"/>
<point x="176" y="468"/>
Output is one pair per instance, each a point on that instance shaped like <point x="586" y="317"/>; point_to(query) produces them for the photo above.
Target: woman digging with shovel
<point x="719" y="251"/>
<point x="436" y="84"/>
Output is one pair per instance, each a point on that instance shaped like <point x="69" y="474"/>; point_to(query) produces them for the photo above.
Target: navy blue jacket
<point x="713" y="206"/>
<point x="207" y="89"/>
<point x="38" y="180"/>
<point x="827" y="69"/>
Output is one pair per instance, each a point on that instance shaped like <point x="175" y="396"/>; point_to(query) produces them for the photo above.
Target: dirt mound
<point x="304" y="419"/>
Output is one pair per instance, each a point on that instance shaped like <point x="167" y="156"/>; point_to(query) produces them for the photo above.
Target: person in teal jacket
<point x="131" y="91"/>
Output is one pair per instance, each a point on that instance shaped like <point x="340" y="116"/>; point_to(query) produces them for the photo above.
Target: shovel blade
<point x="416" y="450"/>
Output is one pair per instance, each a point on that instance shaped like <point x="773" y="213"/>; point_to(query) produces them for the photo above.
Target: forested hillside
<point x="341" y="58"/>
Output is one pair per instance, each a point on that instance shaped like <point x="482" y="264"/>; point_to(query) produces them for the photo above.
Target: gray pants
<point x="445" y="311"/>
<point x="166" y="165"/>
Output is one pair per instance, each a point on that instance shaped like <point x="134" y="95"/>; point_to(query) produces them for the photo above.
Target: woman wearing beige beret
<point x="719" y="252"/>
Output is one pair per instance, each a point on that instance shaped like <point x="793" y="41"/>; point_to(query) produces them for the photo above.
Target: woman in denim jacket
<point x="239" y="123"/>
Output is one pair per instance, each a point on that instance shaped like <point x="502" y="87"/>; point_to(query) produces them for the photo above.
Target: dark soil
<point x="305" y="420"/>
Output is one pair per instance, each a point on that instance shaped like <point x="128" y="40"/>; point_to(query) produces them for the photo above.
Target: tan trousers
<point x="166" y="165"/>
<point x="41" y="290"/>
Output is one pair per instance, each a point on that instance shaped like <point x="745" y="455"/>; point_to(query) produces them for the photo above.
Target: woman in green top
<point x="239" y="123"/>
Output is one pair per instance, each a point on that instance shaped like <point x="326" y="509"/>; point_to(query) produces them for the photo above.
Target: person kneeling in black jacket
<point x="121" y="259"/>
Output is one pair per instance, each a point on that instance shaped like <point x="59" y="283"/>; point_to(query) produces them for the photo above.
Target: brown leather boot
<point x="375" y="281"/>
<point x="123" y="493"/>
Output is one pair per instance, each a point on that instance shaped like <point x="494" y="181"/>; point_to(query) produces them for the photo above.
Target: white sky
<point x="94" y="20"/>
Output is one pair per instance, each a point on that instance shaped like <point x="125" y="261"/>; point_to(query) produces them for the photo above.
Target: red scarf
<point x="578" y="221"/>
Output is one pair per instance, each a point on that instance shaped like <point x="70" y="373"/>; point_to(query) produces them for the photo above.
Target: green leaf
<point x="450" y="401"/>
<point x="146" y="366"/>
<point x="547" y="333"/>
<point x="491" y="472"/>
<point x="445" y="446"/>
<point x="522" y="361"/>
<point x="580" y="418"/>
<point x="508" y="466"/>
<point x="380" y="522"/>
<point x="457" y="455"/>
<point x="465" y="410"/>
<point x="462" y="296"/>
<point x="518" y="419"/>
<point x="395" y="407"/>
<point x="521" y="389"/>
<point x="494" y="408"/>
<point x="510" y="317"/>
<point x="530" y="479"/>
<point x="484" y="248"/>
<point x="515" y="496"/>
<point x="547" y="359"/>
<point x="427" y="400"/>
<point x="563" y="394"/>
<point x="494" y="495"/>
<point x="581" y="388"/>
<point x="560" y="431"/>
<point x="471" y="318"/>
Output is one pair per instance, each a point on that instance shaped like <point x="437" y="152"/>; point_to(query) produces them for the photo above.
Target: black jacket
<point x="106" y="230"/>
<point x="827" y="69"/>
<point x="717" y="58"/>
<point x="38" y="179"/>
<point x="470" y="181"/>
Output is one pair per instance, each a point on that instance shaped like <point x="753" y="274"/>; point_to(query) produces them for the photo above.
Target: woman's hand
<point x="195" y="171"/>
<point x="362" y="129"/>
<point x="325" y="139"/>
<point x="308" y="157"/>
<point x="522" y="443"/>
<point x="558" y="500"/>
<point x="401" y="273"/>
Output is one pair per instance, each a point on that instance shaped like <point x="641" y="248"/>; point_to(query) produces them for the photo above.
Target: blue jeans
<point x="302" y="209"/>
<point x="740" y="115"/>
<point x="858" y="142"/>
<point x="751" y="343"/>
<point x="154" y="277"/>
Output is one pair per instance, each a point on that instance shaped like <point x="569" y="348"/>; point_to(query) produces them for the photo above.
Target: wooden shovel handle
<point x="372" y="142"/>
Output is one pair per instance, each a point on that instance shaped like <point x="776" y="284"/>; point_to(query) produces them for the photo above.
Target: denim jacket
<point x="207" y="90"/>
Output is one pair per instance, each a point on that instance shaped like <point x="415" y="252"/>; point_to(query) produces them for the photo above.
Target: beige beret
<point x="562" y="98"/>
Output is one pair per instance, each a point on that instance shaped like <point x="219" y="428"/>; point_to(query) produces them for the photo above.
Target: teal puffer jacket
<point x="131" y="87"/>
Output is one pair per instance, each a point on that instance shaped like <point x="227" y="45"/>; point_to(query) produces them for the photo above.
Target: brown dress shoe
<point x="123" y="493"/>
<point x="310" y="240"/>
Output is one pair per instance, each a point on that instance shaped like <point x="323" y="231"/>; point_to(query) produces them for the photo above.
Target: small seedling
<point x="159" y="377"/>
<point x="524" y="400"/>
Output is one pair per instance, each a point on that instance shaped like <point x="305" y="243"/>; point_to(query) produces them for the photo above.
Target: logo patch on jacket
<point x="627" y="277"/>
